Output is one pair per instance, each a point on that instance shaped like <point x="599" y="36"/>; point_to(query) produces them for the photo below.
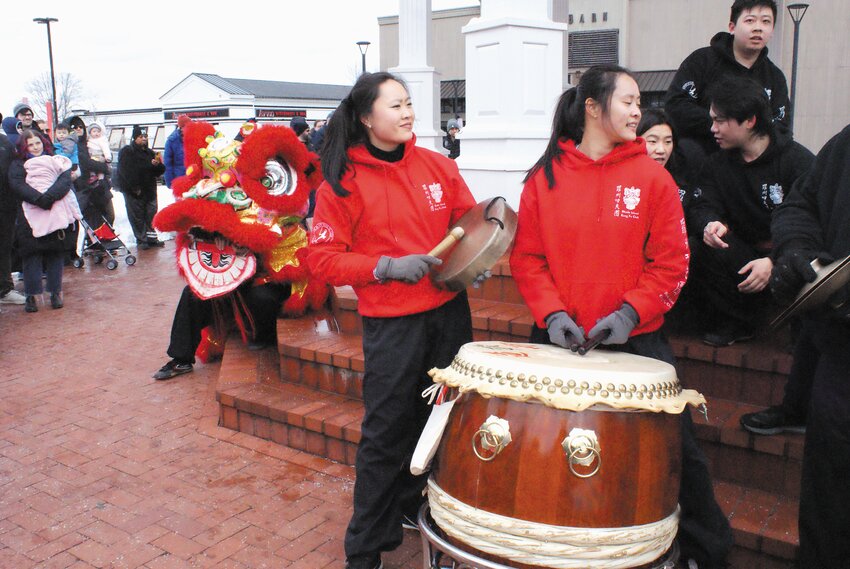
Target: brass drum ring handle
<point x="574" y="458"/>
<point x="488" y="442"/>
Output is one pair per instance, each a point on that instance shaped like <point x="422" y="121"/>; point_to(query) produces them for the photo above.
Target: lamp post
<point x="47" y="21"/>
<point x="363" y="46"/>
<point x="797" y="12"/>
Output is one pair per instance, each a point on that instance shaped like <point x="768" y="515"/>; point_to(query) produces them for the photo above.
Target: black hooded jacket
<point x="744" y="195"/>
<point x="137" y="172"/>
<point x="687" y="97"/>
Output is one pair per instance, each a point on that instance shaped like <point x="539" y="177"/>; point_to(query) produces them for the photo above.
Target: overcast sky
<point x="128" y="54"/>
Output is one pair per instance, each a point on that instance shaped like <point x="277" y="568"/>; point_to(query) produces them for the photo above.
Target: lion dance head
<point x="239" y="215"/>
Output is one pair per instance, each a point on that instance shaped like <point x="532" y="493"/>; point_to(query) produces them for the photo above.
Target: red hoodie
<point x="395" y="209"/>
<point x="608" y="232"/>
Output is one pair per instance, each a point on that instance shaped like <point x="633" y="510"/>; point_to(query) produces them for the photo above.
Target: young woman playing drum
<point x="601" y="253"/>
<point x="384" y="204"/>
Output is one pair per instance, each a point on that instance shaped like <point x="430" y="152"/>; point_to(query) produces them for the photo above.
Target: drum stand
<point x="437" y="553"/>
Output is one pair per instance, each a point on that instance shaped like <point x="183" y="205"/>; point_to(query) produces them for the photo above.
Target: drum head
<point x="830" y="279"/>
<point x="489" y="229"/>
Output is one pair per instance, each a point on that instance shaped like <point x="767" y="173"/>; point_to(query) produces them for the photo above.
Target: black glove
<point x="410" y="268"/>
<point x="790" y="272"/>
<point x="619" y="324"/>
<point x="563" y="331"/>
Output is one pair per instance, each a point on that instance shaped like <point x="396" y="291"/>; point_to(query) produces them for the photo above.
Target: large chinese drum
<point x="551" y="459"/>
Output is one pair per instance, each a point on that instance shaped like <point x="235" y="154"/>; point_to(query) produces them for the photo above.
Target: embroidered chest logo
<point x="691" y="89"/>
<point x="626" y="201"/>
<point x="321" y="233"/>
<point x="434" y="194"/>
<point x="772" y="195"/>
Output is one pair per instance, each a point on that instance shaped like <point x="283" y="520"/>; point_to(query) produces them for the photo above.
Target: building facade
<point x="652" y="37"/>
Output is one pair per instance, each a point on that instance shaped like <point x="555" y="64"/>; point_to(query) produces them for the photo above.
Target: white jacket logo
<point x="321" y="233"/>
<point x="626" y="201"/>
<point x="434" y="195"/>
<point x="631" y="197"/>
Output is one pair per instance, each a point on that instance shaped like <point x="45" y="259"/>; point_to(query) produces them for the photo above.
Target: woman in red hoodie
<point x="601" y="252"/>
<point x="384" y="204"/>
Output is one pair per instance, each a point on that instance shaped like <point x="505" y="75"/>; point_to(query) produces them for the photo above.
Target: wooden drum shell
<point x="530" y="479"/>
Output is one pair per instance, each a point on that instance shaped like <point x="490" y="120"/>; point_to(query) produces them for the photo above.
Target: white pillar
<point x="514" y="76"/>
<point x="414" y="66"/>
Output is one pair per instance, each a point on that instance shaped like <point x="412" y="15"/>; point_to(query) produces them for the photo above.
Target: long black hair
<point x="344" y="129"/>
<point x="597" y="83"/>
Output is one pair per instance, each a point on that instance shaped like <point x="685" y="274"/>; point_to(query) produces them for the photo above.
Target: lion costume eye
<point x="280" y="179"/>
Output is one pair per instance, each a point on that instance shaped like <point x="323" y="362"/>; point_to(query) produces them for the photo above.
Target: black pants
<point x="825" y="493"/>
<point x="7" y="235"/>
<point x="715" y="274"/>
<point x="140" y="212"/>
<point x="398" y="353"/>
<point x="704" y="532"/>
<point x="193" y="315"/>
<point x="798" y="388"/>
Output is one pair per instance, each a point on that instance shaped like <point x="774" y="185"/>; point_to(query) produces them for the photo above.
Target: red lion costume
<point x="238" y="217"/>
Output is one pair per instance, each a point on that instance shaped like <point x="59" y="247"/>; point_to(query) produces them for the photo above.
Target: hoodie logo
<point x="630" y="198"/>
<point x="768" y="92"/>
<point x="321" y="233"/>
<point x="691" y="89"/>
<point x="434" y="195"/>
<point x="774" y="193"/>
<point x="780" y="114"/>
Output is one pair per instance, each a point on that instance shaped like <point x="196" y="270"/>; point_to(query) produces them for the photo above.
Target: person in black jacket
<point x="94" y="195"/>
<point x="138" y="168"/>
<point x="42" y="255"/>
<point x="8" y="212"/>
<point x="740" y="188"/>
<point x="741" y="53"/>
<point x="815" y="222"/>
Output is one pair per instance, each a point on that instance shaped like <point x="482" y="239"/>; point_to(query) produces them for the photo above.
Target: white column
<point x="414" y="66"/>
<point x="514" y="76"/>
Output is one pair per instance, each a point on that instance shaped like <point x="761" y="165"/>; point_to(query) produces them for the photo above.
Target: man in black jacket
<point x="740" y="187"/>
<point x="741" y="53"/>
<point x="8" y="212"/>
<point x="138" y="169"/>
<point x="815" y="222"/>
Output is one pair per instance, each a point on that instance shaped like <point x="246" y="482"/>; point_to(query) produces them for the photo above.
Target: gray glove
<point x="479" y="280"/>
<point x="410" y="268"/>
<point x="619" y="324"/>
<point x="563" y="331"/>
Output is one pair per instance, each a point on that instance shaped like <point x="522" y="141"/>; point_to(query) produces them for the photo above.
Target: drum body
<point x="612" y="503"/>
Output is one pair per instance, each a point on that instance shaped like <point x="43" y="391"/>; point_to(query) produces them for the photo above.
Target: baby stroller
<point x="102" y="243"/>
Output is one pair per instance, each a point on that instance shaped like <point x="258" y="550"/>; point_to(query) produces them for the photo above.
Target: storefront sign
<point x="280" y="113"/>
<point x="198" y="113"/>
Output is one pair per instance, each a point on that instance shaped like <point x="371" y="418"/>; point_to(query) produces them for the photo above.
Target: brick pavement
<point x="101" y="466"/>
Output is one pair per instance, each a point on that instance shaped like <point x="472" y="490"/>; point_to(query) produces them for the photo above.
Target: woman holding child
<point x="46" y="219"/>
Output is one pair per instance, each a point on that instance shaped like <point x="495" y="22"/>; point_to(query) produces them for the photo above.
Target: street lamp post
<point x="363" y="46"/>
<point x="797" y="12"/>
<point x="47" y="21"/>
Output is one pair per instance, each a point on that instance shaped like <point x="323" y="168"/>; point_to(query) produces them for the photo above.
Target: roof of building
<point x="650" y="81"/>
<point x="263" y="89"/>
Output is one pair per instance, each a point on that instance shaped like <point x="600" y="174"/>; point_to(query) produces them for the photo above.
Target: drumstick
<point x="593" y="342"/>
<point x="454" y="235"/>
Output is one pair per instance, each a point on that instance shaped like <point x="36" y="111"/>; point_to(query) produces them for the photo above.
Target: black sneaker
<point x="409" y="523"/>
<point x="56" y="300"/>
<point x="172" y="369"/>
<point x="30" y="304"/>
<point x="365" y="562"/>
<point x="772" y="421"/>
<point x="727" y="335"/>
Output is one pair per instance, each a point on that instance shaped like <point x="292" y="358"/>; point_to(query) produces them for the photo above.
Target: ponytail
<point x="597" y="83"/>
<point x="344" y="129"/>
